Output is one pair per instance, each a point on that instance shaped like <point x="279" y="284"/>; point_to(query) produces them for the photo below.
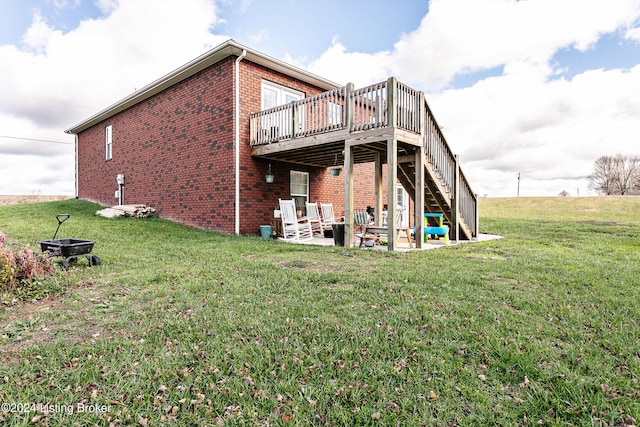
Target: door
<point x="299" y="188"/>
<point x="278" y="124"/>
<point x="402" y="202"/>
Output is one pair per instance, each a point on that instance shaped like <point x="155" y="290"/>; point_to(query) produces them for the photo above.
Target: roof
<point x="213" y="56"/>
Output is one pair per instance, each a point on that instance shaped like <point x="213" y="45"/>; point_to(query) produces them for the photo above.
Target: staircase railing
<point x="444" y="164"/>
<point x="468" y="205"/>
<point x="438" y="152"/>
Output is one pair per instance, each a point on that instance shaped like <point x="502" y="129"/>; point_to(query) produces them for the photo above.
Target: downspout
<point x="237" y="137"/>
<point x="76" y="166"/>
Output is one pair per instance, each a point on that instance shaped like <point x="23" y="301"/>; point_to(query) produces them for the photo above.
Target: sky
<point x="529" y="93"/>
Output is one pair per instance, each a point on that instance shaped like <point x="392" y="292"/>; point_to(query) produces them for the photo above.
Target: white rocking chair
<point x="313" y="215"/>
<point x="293" y="228"/>
<point x="328" y="217"/>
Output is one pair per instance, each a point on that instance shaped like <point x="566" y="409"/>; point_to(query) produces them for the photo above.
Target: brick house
<point x="197" y="143"/>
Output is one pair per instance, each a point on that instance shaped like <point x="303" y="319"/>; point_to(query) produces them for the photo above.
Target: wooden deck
<point x="383" y="123"/>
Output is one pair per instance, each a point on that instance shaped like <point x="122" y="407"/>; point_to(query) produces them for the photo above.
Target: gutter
<point x="76" y="160"/>
<point x="236" y="85"/>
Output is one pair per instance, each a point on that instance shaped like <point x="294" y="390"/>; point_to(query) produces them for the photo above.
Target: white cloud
<point x="633" y="34"/>
<point x="524" y="120"/>
<point x="59" y="78"/>
<point x="106" y="6"/>
<point x="545" y="129"/>
<point x="259" y="37"/>
<point x="462" y="36"/>
<point x="37" y="35"/>
<point x="344" y="67"/>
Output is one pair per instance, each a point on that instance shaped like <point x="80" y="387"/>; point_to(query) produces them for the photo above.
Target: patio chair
<point x="377" y="231"/>
<point x="328" y="217"/>
<point x="293" y="228"/>
<point x="362" y="219"/>
<point x="313" y="215"/>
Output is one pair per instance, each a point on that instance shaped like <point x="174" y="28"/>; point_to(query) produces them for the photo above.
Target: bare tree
<point x="628" y="173"/>
<point x="615" y="174"/>
<point x="601" y="179"/>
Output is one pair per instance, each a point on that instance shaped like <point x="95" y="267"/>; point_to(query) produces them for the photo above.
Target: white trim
<point x="108" y="142"/>
<point x="236" y="145"/>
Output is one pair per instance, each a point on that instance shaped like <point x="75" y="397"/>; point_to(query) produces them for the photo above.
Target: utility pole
<point x="518" y="184"/>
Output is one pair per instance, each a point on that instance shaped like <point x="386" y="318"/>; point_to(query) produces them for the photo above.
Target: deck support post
<point x="349" y="106"/>
<point x="392" y="209"/>
<point x="348" y="193"/>
<point x="419" y="179"/>
<point x="378" y="190"/>
<point x="392" y="162"/>
<point x="418" y="205"/>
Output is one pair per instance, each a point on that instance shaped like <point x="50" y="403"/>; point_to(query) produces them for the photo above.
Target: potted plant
<point x="269" y="176"/>
<point x="335" y="170"/>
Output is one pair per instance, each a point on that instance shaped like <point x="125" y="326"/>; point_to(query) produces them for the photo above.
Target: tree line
<point x="616" y="175"/>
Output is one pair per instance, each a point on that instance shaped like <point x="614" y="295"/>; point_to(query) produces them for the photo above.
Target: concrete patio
<point x="402" y="244"/>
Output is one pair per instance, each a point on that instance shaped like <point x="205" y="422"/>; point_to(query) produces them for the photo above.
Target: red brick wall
<point x="258" y="198"/>
<point x="174" y="150"/>
<point x="329" y="188"/>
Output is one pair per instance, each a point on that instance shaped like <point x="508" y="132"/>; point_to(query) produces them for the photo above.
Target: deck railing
<point x="365" y="109"/>
<point x="409" y="113"/>
<point x="321" y="113"/>
<point x="369" y="107"/>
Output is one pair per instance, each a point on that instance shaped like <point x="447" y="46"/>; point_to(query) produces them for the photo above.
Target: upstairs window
<point x="274" y="95"/>
<point x="109" y="142"/>
<point x="278" y="124"/>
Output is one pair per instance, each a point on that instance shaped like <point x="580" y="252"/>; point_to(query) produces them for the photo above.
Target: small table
<point x="384" y="230"/>
<point x="277" y="226"/>
<point x="433" y="215"/>
<point x="440" y="230"/>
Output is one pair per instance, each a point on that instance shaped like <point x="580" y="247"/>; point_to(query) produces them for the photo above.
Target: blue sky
<point x="536" y="87"/>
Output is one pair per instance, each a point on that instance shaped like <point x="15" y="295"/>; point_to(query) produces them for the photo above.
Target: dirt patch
<point x="14" y="200"/>
<point x="81" y="315"/>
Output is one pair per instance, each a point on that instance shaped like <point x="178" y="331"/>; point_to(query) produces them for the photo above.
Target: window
<point x="109" y="142"/>
<point x="278" y="124"/>
<point x="335" y="113"/>
<point x="299" y="187"/>
<point x="274" y="95"/>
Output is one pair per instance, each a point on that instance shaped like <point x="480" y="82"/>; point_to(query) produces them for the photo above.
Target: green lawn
<point x="185" y="327"/>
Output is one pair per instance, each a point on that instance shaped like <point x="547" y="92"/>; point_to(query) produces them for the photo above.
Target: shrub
<point x="20" y="265"/>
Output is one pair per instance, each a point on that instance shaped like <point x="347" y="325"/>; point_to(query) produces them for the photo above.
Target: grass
<point x="185" y="327"/>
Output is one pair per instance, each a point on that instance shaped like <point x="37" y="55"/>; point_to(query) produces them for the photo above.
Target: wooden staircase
<point x="446" y="189"/>
<point x="437" y="198"/>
